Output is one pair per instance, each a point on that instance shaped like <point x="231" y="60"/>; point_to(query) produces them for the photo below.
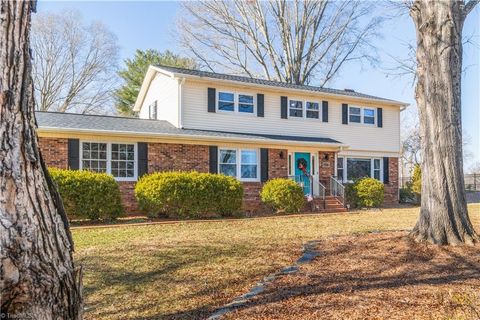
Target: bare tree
<point x="443" y="215"/>
<point x="291" y="41"/>
<point x="38" y="279"/>
<point x="74" y="66"/>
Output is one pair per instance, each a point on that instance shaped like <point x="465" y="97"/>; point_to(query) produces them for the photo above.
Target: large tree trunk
<point x="443" y="215"/>
<point x="37" y="275"/>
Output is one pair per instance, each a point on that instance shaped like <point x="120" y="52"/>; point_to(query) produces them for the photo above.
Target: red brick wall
<point x="127" y="192"/>
<point x="177" y="157"/>
<point x="277" y="168"/>
<point x="391" y="189"/>
<point x="54" y="152"/>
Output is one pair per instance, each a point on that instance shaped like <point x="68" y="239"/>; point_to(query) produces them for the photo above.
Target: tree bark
<point x="443" y="215"/>
<point x="38" y="279"/>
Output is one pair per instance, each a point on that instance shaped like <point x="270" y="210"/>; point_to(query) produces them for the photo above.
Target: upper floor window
<point x="303" y="109"/>
<point x="233" y="102"/>
<point x="295" y="108"/>
<point x="117" y="159"/>
<point x="361" y="115"/>
<point x="312" y="110"/>
<point x="239" y="163"/>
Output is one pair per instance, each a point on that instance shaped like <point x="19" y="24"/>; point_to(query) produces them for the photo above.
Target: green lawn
<point x="186" y="270"/>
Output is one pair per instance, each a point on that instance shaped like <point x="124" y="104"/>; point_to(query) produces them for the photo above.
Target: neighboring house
<point x="251" y="129"/>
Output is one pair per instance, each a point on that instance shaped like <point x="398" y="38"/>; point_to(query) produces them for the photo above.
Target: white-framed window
<point x="312" y="110"/>
<point x="295" y="109"/>
<point x="239" y="163"/>
<point x="115" y="158"/>
<point x="368" y="116"/>
<point x="352" y="168"/>
<point x="228" y="101"/>
<point x="361" y="115"/>
<point x="355" y="114"/>
<point x="246" y="103"/>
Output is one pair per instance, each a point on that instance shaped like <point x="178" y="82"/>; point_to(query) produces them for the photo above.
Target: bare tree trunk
<point x="37" y="275"/>
<point x="443" y="215"/>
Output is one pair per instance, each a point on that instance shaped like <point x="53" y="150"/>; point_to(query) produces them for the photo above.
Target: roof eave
<point x="333" y="95"/>
<point x="193" y="137"/>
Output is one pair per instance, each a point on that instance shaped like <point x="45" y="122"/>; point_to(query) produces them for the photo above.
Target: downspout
<point x="181" y="81"/>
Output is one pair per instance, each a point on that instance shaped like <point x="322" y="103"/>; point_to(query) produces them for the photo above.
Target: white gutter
<point x="181" y="81"/>
<point x="192" y="137"/>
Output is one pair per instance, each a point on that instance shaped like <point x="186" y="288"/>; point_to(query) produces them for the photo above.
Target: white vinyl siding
<point x="357" y="137"/>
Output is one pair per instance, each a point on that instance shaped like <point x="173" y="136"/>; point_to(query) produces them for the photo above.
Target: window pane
<point x="312" y="105"/>
<point x="225" y="106"/>
<point x="296" y="104"/>
<point x="225" y="96"/>
<point x="358" y="168"/>
<point x="122" y="159"/>
<point x="355" y="110"/>
<point x="376" y="164"/>
<point x="312" y="114"/>
<point x="245" y="108"/>
<point x="376" y="174"/>
<point x="339" y="162"/>
<point x="368" y="112"/>
<point x="228" y="169"/>
<point x="228" y="156"/>
<point x="369" y="120"/>
<point x="296" y="113"/>
<point x="249" y="171"/>
<point x="245" y="99"/>
<point x="354" y="118"/>
<point x="339" y="174"/>
<point x="249" y="157"/>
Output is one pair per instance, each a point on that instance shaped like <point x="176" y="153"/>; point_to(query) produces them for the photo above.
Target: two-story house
<point x="247" y="128"/>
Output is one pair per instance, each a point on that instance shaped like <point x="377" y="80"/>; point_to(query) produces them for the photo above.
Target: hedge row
<point x="189" y="194"/>
<point x="87" y="194"/>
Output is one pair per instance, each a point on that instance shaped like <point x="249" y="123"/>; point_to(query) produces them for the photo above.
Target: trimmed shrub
<point x="369" y="193"/>
<point x="407" y="195"/>
<point x="351" y="197"/>
<point x="283" y="195"/>
<point x="189" y="194"/>
<point x="88" y="194"/>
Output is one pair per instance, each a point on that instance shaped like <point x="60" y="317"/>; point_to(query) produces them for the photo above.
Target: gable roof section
<point x="80" y="123"/>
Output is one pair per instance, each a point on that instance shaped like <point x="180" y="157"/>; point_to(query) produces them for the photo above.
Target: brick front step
<point x="331" y="204"/>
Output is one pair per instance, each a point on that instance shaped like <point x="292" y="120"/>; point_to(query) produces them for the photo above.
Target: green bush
<point x="189" y="194"/>
<point x="283" y="195"/>
<point x="407" y="195"/>
<point x="351" y="197"/>
<point x="88" y="194"/>
<point x="369" y="193"/>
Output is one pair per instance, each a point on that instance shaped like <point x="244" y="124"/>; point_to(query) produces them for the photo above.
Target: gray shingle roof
<point x="81" y="122"/>
<point x="270" y="83"/>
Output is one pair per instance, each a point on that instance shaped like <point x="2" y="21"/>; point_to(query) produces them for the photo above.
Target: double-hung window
<point x="235" y="102"/>
<point x="295" y="108"/>
<point x="368" y="116"/>
<point x="239" y="163"/>
<point x="355" y="115"/>
<point x="117" y="159"/>
<point x="350" y="169"/>
<point x="312" y="110"/>
<point x="226" y="101"/>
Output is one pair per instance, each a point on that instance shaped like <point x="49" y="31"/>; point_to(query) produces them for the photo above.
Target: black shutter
<point x="325" y="111"/>
<point x="211" y="99"/>
<point x="142" y="149"/>
<point x="386" y="178"/>
<point x="213" y="155"/>
<point x="73" y="154"/>
<point x="283" y="107"/>
<point x="345" y="113"/>
<point x="263" y="164"/>
<point x="260" y="105"/>
<point x="379" y="117"/>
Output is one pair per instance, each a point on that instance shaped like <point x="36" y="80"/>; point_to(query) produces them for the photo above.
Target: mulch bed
<point x="375" y="276"/>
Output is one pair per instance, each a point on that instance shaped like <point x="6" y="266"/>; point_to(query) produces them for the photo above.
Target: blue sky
<point x="143" y="25"/>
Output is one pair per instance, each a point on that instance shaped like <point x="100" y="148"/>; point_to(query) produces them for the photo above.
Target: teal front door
<point x="303" y="171"/>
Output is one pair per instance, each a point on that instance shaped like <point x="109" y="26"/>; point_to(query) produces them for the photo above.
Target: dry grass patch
<point x="186" y="270"/>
